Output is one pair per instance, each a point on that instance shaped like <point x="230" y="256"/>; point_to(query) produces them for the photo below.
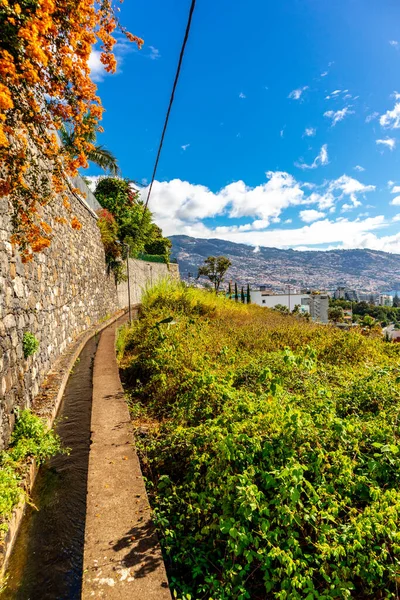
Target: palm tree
<point x="100" y="156"/>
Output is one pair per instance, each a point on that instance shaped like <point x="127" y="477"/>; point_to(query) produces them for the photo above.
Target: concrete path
<point x="122" y="557"/>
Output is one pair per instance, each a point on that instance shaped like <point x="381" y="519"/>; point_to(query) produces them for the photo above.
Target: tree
<point x="135" y="225"/>
<point x="396" y="301"/>
<point x="215" y="268"/>
<point x="45" y="83"/>
<point x="369" y="323"/>
<point x="282" y="309"/>
<point x="242" y="296"/>
<point x="157" y="244"/>
<point x="236" y="293"/>
<point x="248" y="294"/>
<point x="230" y="290"/>
<point x="98" y="155"/>
<point x="336" y="314"/>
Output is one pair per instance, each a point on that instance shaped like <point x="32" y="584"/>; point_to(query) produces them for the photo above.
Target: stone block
<point x="9" y="321"/>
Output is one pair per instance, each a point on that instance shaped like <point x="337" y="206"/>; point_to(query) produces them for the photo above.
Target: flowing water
<point x="47" y="559"/>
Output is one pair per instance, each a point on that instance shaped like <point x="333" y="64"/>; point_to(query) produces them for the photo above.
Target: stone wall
<point x="62" y="292"/>
<point x="141" y="274"/>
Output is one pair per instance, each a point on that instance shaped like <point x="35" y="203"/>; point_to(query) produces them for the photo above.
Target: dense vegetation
<point x="30" y="439"/>
<point x="272" y="449"/>
<point x="383" y="314"/>
<point x="124" y="223"/>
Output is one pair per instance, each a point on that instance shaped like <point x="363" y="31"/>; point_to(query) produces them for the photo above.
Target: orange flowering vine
<point x="45" y="83"/>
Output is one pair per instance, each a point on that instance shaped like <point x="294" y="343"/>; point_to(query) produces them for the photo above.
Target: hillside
<point x="267" y="442"/>
<point x="360" y="269"/>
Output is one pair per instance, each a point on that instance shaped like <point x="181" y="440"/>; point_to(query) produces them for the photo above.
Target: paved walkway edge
<point x="49" y="409"/>
<point x="122" y="556"/>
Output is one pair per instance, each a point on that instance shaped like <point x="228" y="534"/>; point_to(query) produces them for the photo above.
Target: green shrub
<point x="29" y="344"/>
<point x="31" y="438"/>
<point x="273" y="462"/>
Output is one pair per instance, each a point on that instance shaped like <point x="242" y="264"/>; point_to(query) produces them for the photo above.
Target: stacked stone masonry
<point x="62" y="292"/>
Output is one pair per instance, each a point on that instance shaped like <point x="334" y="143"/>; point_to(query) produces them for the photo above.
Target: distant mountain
<point x="368" y="270"/>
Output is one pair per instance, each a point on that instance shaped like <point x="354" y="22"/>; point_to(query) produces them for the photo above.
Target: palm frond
<point x="104" y="159"/>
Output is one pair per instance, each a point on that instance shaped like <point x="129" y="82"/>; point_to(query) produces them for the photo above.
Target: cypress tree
<point x="248" y="294"/>
<point x="242" y="297"/>
<point x="230" y="291"/>
<point x="236" y="292"/>
<point x="396" y="301"/>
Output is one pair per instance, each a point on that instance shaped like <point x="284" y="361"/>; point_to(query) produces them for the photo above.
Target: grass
<point x="31" y="439"/>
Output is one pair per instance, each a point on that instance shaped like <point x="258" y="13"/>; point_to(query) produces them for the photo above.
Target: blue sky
<point x="286" y="125"/>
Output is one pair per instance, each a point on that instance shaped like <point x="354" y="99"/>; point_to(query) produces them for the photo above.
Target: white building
<point x="319" y="304"/>
<point x="315" y="304"/>
<point x="385" y="300"/>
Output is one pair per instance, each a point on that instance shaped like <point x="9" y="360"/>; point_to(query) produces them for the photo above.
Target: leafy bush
<point x="29" y="344"/>
<point x="133" y="223"/>
<point x="114" y="251"/>
<point x="273" y="461"/>
<point x="30" y="439"/>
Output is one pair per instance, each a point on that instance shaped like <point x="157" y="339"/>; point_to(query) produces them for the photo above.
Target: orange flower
<point x="3" y="138"/>
<point x="49" y="60"/>
<point x="75" y="224"/>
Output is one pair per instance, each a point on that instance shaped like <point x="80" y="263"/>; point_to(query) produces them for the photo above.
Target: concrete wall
<point x="90" y="198"/>
<point x="316" y="304"/>
<point x="62" y="292"/>
<point x="141" y="274"/>
<point x="271" y="300"/>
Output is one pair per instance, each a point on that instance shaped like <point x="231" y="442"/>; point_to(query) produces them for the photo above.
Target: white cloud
<point x="350" y="187"/>
<point x="282" y="132"/>
<point x="308" y="216"/>
<point x="335" y="92"/>
<point x="91" y="181"/>
<point x="185" y="147"/>
<point x="309" y="132"/>
<point x="324" y="74"/>
<point x="296" y="94"/>
<point x="241" y="95"/>
<point x="287" y="221"/>
<point x="347" y="233"/>
<point x="338" y="115"/>
<point x="396" y="189"/>
<point x="371" y="117"/>
<point x="391" y="118"/>
<point x="388" y="142"/>
<point x="321" y="160"/>
<point x="179" y="207"/>
<point x="394" y="43"/>
<point x="359" y="168"/>
<point x="96" y="67"/>
<point x="154" y="53"/>
<point x="396" y="201"/>
<point x="396" y="217"/>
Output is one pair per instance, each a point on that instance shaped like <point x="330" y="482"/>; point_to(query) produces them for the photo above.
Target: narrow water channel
<point x="47" y="560"/>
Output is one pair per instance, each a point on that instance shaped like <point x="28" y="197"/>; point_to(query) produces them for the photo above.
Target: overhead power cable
<point x="171" y="101"/>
